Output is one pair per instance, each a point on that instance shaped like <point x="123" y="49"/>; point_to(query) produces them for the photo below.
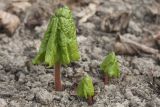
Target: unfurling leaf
<point x="110" y="66"/>
<point x="59" y="44"/>
<point x="85" y="87"/>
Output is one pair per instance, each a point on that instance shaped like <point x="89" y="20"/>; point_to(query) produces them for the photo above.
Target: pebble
<point x="68" y="84"/>
<point x="134" y="28"/>
<point x="46" y="78"/>
<point x="1" y="67"/>
<point x="43" y="96"/>
<point x="14" y="103"/>
<point x="3" y="103"/>
<point x="119" y="105"/>
<point x="81" y="39"/>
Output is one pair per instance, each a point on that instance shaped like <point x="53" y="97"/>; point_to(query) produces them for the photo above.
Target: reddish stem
<point x="106" y="79"/>
<point x="90" y="100"/>
<point x="58" y="84"/>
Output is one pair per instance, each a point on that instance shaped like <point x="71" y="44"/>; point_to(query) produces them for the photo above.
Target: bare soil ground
<point x="23" y="84"/>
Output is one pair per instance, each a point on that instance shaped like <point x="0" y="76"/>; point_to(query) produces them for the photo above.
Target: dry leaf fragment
<point x="115" y="22"/>
<point x="9" y="22"/>
<point x="37" y="13"/>
<point x="87" y="13"/>
<point x="152" y="41"/>
<point x="153" y="12"/>
<point x="19" y="6"/>
<point x="127" y="46"/>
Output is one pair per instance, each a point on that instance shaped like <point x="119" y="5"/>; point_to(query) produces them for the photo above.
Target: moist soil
<point x="23" y="84"/>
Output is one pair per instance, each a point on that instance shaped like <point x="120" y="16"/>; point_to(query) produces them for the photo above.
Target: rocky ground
<point x="23" y="84"/>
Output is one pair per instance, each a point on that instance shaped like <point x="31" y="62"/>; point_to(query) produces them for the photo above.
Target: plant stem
<point x="58" y="84"/>
<point x="90" y="100"/>
<point x="106" y="79"/>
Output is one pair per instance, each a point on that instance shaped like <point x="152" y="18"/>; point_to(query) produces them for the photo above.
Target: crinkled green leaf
<point x="72" y="44"/>
<point x="51" y="51"/>
<point x="42" y="51"/>
<point x="110" y="65"/>
<point x="85" y="87"/>
<point x="60" y="43"/>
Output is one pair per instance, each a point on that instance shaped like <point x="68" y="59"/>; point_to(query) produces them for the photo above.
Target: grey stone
<point x="119" y="105"/>
<point x="46" y="78"/>
<point x="1" y="67"/>
<point x="134" y="28"/>
<point x="88" y="25"/>
<point x="86" y="67"/>
<point x="36" y="84"/>
<point x="157" y="102"/>
<point x="43" y="96"/>
<point x="57" y="97"/>
<point x="14" y="103"/>
<point x="21" y="77"/>
<point x="4" y="78"/>
<point x="30" y="96"/>
<point x="81" y="39"/>
<point x="99" y="105"/>
<point x="68" y="84"/>
<point x="69" y="72"/>
<point x="3" y="103"/>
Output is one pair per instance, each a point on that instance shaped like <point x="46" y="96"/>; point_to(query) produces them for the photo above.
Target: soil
<point x="23" y="84"/>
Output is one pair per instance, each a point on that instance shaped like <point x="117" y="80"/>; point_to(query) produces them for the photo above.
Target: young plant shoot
<point x="86" y="89"/>
<point x="110" y="67"/>
<point x="59" y="45"/>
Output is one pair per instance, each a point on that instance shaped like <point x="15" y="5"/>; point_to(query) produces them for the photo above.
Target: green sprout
<point x="110" y="67"/>
<point x="86" y="89"/>
<point x="59" y="45"/>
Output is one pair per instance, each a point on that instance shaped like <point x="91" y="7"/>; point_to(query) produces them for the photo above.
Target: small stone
<point x="126" y="103"/>
<point x="14" y="103"/>
<point x="57" y="97"/>
<point x="46" y="78"/>
<point x="88" y="25"/>
<point x="30" y="97"/>
<point x="68" y="84"/>
<point x="128" y="93"/>
<point x="96" y="53"/>
<point x="3" y="103"/>
<point x="134" y="28"/>
<point x="21" y="78"/>
<point x="61" y="96"/>
<point x="84" y="104"/>
<point x="64" y="100"/>
<point x="98" y="90"/>
<point x="36" y="84"/>
<point x="86" y="68"/>
<point x="35" y="104"/>
<point x="43" y="96"/>
<point x="119" y="105"/>
<point x="81" y="39"/>
<point x="105" y="39"/>
<point x="1" y="67"/>
<point x="94" y="63"/>
<point x="69" y="72"/>
<point x="3" y="78"/>
<point x="157" y="101"/>
<point x="99" y="105"/>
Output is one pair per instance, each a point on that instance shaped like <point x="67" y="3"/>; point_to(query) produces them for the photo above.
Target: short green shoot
<point x="86" y="89"/>
<point x="110" y="67"/>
